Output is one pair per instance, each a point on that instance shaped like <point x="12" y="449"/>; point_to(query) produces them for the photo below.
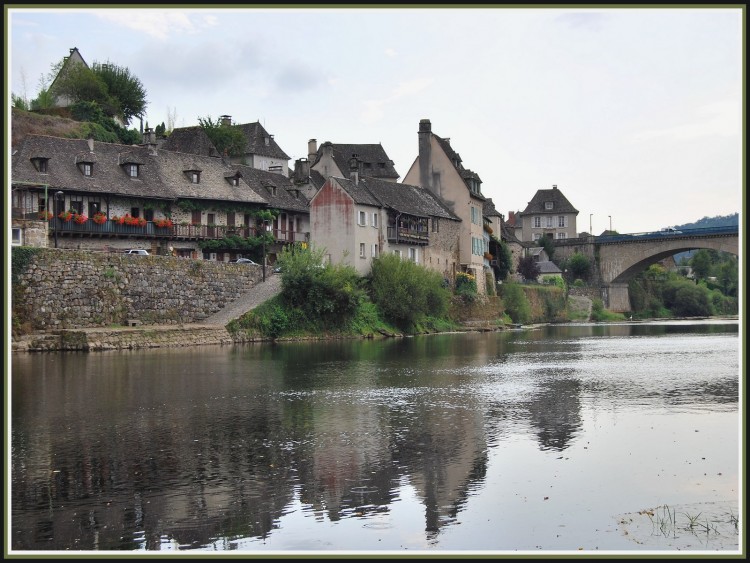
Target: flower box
<point x="80" y="219"/>
<point x="65" y="216"/>
<point x="99" y="218"/>
<point x="45" y="215"/>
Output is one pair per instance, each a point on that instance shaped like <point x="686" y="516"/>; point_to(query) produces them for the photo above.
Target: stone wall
<point x="64" y="289"/>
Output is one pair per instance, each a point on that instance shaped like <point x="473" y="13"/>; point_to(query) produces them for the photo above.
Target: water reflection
<point x="202" y="447"/>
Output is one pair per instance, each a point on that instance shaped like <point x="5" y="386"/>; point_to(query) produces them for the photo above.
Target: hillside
<point x="24" y="123"/>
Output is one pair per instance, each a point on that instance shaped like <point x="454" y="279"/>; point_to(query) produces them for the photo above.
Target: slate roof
<point x="161" y="174"/>
<point x="259" y="180"/>
<point x="374" y="161"/>
<point x="455" y="158"/>
<point x="560" y="203"/>
<point x="191" y="140"/>
<point x="256" y="141"/>
<point x="488" y="208"/>
<point x="401" y="198"/>
<point x="548" y="267"/>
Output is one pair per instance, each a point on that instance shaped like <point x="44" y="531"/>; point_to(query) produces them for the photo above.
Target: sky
<point x="635" y="113"/>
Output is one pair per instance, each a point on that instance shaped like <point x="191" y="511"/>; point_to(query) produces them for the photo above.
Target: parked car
<point x="245" y="261"/>
<point x="137" y="252"/>
<point x="669" y="231"/>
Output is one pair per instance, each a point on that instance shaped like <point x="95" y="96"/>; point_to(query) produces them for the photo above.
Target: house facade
<point x="439" y="169"/>
<point x="357" y="219"/>
<point x="548" y="214"/>
<point x="104" y="196"/>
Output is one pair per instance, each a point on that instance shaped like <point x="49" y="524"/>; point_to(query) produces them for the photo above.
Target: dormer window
<point x="235" y="181"/>
<point x="195" y="177"/>
<point x="548" y="205"/>
<point x="132" y="170"/>
<point x="271" y="190"/>
<point x="40" y="163"/>
<point x="87" y="168"/>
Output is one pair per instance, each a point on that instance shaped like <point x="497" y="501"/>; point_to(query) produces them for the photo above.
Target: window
<point x="374" y="250"/>
<point x="562" y="235"/>
<point x="235" y="181"/>
<point x="474" y="215"/>
<point x="561" y="221"/>
<point x="94" y="207"/>
<point x="435" y="225"/>
<point x="537" y="222"/>
<point x="87" y="168"/>
<point x="397" y="253"/>
<point x="362" y="218"/>
<point x="76" y="204"/>
<point x="413" y="255"/>
<point x="548" y="205"/>
<point x="42" y="203"/>
<point x="135" y="212"/>
<point x="549" y="222"/>
<point x="361" y="249"/>
<point x="477" y="246"/>
<point x="17" y="238"/>
<point x="40" y="164"/>
<point x="196" y="218"/>
<point x="148" y="214"/>
<point x="374" y="219"/>
<point x="195" y="177"/>
<point x="132" y="170"/>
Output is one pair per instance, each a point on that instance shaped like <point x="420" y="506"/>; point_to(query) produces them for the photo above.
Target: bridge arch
<point x="621" y="260"/>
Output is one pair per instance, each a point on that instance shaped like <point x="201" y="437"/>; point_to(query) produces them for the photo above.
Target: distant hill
<point x="708" y="222"/>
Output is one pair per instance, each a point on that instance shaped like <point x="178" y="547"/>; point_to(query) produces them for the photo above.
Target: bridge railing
<point x="653" y="235"/>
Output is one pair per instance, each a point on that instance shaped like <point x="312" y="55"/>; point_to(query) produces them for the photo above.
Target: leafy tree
<point x="406" y="292"/>
<point x="516" y="303"/>
<point x="529" y="268"/>
<point x="229" y="138"/>
<point x="81" y="84"/>
<point x="124" y="90"/>
<point x="548" y="245"/>
<point x="504" y="260"/>
<point x="701" y="263"/>
<point x="19" y="102"/>
<point x="160" y="130"/>
<point x="579" y="266"/>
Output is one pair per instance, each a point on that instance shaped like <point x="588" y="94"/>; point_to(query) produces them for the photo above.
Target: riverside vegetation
<point x="401" y="297"/>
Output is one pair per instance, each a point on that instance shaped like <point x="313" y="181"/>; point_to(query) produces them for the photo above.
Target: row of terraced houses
<point x="171" y="195"/>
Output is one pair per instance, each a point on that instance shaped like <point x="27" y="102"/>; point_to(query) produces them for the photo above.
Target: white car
<point x="137" y="252"/>
<point x="670" y="231"/>
<point x="245" y="261"/>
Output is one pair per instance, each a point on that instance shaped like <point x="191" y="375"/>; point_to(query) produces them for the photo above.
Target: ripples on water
<point x="483" y="441"/>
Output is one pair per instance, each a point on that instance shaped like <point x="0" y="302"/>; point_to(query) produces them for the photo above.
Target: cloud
<point x="375" y="109"/>
<point x="391" y="52"/>
<point x="719" y="119"/>
<point x="297" y="77"/>
<point x="160" y="24"/>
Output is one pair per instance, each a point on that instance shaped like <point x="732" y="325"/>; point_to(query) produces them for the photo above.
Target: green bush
<point x="406" y="292"/>
<point x="466" y="286"/>
<point x="516" y="303"/>
<point x="579" y="265"/>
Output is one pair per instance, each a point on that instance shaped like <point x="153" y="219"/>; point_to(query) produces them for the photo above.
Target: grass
<point x="668" y="522"/>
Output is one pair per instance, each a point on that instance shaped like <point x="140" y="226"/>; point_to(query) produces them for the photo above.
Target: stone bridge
<point x="618" y="258"/>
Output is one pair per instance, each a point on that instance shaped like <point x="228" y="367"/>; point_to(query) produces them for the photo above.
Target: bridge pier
<point x="616" y="296"/>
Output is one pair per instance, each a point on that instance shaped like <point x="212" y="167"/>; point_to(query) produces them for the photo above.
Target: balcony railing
<point x="177" y="232"/>
<point x="408" y="236"/>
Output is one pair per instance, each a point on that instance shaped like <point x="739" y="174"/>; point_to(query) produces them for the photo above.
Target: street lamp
<point x="610" y="223"/>
<point x="591" y="229"/>
<point x="58" y="195"/>
<point x="265" y="230"/>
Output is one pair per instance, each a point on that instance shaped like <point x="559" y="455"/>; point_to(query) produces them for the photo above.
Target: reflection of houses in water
<point x="555" y="412"/>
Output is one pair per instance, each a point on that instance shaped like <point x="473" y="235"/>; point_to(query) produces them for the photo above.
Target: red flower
<point x="80" y="218"/>
<point x="65" y="215"/>
<point x="99" y="218"/>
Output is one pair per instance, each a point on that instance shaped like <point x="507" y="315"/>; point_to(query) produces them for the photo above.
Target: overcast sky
<point x="634" y="113"/>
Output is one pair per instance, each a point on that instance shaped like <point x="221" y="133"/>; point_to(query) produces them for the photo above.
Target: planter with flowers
<point x="80" y="218"/>
<point x="164" y="223"/>
<point x="99" y="218"/>
<point x="45" y="215"/>
<point x="65" y="216"/>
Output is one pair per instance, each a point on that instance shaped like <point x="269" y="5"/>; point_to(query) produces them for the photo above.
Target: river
<point x="608" y="438"/>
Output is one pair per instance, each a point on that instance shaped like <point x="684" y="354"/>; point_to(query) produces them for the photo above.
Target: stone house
<point x="548" y="214"/>
<point x="333" y="159"/>
<point x="203" y="197"/>
<point x="356" y="219"/>
<point x="69" y="62"/>
<point x="439" y="169"/>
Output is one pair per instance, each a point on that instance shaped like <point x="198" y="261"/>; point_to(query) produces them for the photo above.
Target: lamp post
<point x="265" y="230"/>
<point x="610" y="223"/>
<point x="55" y="205"/>
<point x="591" y="229"/>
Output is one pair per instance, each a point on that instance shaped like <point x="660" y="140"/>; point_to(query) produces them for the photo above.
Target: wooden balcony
<point x="408" y="236"/>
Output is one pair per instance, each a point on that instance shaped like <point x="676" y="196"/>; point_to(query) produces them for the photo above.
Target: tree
<point x="229" y="138"/>
<point x="81" y="84"/>
<point x="701" y="263"/>
<point x="579" y="266"/>
<point x="528" y="268"/>
<point x="124" y="89"/>
<point x="548" y="245"/>
<point x="504" y="261"/>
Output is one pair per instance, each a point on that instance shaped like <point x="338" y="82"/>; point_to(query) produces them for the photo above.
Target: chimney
<point x="226" y="120"/>
<point x="354" y="169"/>
<point x="90" y="141"/>
<point x="425" y="157"/>
<point x="312" y="150"/>
<point x="301" y="170"/>
<point x="554" y="186"/>
<point x="149" y="139"/>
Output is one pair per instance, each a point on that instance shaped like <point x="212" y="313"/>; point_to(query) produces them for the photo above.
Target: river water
<point x="568" y="438"/>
